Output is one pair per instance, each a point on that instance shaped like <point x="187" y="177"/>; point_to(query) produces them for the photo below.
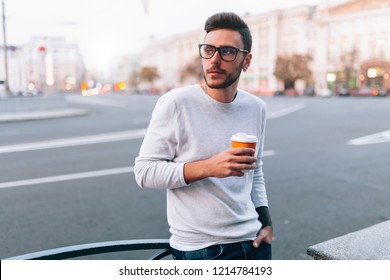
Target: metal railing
<point x="101" y="248"/>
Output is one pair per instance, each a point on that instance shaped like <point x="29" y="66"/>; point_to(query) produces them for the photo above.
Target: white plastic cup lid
<point x="244" y="138"/>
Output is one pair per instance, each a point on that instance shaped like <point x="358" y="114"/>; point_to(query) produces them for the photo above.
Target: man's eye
<point x="208" y="50"/>
<point x="228" y="51"/>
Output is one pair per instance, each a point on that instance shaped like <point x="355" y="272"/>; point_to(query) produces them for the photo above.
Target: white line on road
<point x="67" y="177"/>
<point x="81" y="175"/>
<point x="381" y="137"/>
<point x="268" y="153"/>
<point x="75" y="141"/>
<point x="285" y="111"/>
<point x="94" y="100"/>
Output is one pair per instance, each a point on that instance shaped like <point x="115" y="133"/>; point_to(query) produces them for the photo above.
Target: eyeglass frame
<point x="216" y="49"/>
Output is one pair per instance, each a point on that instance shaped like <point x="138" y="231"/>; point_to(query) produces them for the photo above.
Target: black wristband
<point x="264" y="216"/>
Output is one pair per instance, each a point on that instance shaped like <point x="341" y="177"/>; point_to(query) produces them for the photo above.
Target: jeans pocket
<point x="264" y="251"/>
<point x="208" y="253"/>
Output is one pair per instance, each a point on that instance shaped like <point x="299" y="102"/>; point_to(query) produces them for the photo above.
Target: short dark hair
<point x="230" y="21"/>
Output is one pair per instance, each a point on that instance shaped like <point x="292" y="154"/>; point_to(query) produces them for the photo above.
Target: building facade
<point x="357" y="37"/>
<point x="170" y="56"/>
<point x="44" y="64"/>
<point x="348" y="41"/>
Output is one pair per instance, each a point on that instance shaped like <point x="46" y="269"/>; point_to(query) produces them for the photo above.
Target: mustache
<point x="215" y="69"/>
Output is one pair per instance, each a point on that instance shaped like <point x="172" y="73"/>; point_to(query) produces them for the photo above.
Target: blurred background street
<point x="79" y="80"/>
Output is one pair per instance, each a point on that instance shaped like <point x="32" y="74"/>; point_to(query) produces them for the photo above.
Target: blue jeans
<point x="233" y="251"/>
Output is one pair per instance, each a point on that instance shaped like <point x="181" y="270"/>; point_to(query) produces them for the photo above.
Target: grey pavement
<point x="14" y="109"/>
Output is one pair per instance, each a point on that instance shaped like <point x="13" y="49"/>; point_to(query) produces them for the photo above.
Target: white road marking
<point x="268" y="153"/>
<point x="81" y="175"/>
<point x="96" y="101"/>
<point x="67" y="177"/>
<point x="75" y="141"/>
<point x="381" y="137"/>
<point x="285" y="111"/>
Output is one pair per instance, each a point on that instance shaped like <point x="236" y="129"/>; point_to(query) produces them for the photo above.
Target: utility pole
<point x="145" y="4"/>
<point x="6" y="84"/>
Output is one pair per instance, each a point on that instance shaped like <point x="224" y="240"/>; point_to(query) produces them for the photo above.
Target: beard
<point x="228" y="81"/>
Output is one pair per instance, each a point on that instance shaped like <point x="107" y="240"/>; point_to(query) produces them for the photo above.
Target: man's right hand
<point x="231" y="162"/>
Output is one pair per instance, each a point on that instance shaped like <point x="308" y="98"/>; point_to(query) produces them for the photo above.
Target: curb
<point x="40" y="115"/>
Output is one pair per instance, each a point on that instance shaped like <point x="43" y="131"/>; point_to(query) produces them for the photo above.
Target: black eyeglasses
<point x="227" y="54"/>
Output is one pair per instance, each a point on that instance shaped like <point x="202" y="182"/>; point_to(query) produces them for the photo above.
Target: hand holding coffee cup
<point x="243" y="140"/>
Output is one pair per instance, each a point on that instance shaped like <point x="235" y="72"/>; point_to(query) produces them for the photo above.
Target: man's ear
<point x="247" y="61"/>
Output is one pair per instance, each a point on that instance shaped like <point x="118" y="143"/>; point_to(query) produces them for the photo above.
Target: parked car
<point x="325" y="92"/>
<point x="366" y="91"/>
<point x="310" y="91"/>
<point x="278" y="93"/>
<point x="343" y="91"/>
<point x="287" y="92"/>
<point x="29" y="92"/>
<point x="380" y="92"/>
<point x="290" y="92"/>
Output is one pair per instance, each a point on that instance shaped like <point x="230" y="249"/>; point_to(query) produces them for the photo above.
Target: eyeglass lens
<point x="226" y="53"/>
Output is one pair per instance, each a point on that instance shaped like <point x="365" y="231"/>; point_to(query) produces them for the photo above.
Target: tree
<point x="134" y="79"/>
<point x="149" y="74"/>
<point x="348" y="60"/>
<point x="291" y="68"/>
<point x="192" y="69"/>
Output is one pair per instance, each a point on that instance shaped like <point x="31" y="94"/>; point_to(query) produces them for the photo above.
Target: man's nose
<point x="216" y="59"/>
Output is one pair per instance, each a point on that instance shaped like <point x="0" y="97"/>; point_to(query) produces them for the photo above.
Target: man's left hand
<point x="265" y="235"/>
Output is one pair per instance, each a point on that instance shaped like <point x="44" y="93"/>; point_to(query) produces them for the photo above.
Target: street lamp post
<point x="42" y="51"/>
<point x="145" y="4"/>
<point x="6" y="83"/>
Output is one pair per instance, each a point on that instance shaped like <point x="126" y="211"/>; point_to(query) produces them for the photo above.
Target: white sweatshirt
<point x="188" y="125"/>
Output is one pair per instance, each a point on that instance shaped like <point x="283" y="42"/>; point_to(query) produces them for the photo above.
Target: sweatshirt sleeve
<point x="258" y="194"/>
<point x="155" y="166"/>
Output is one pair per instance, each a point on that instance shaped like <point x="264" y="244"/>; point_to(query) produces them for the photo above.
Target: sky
<point x="108" y="29"/>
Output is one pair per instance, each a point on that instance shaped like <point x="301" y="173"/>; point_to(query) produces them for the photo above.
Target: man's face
<point x="217" y="72"/>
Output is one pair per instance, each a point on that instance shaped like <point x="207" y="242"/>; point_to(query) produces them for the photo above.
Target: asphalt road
<point x="69" y="181"/>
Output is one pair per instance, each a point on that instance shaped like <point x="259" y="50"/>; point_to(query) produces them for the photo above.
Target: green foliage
<point x="290" y="68"/>
<point x="192" y="69"/>
<point x="149" y="74"/>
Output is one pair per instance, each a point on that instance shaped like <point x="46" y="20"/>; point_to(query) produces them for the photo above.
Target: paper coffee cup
<point x="243" y="140"/>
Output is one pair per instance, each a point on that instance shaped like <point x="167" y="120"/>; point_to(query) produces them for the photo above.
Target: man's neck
<point x="223" y="95"/>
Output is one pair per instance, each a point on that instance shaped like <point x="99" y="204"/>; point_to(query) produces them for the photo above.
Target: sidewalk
<point x="14" y="109"/>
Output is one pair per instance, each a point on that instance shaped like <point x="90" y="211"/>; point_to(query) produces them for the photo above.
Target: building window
<point x="380" y="47"/>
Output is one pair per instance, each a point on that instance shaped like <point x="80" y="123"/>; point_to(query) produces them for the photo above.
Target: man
<point x="216" y="208"/>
